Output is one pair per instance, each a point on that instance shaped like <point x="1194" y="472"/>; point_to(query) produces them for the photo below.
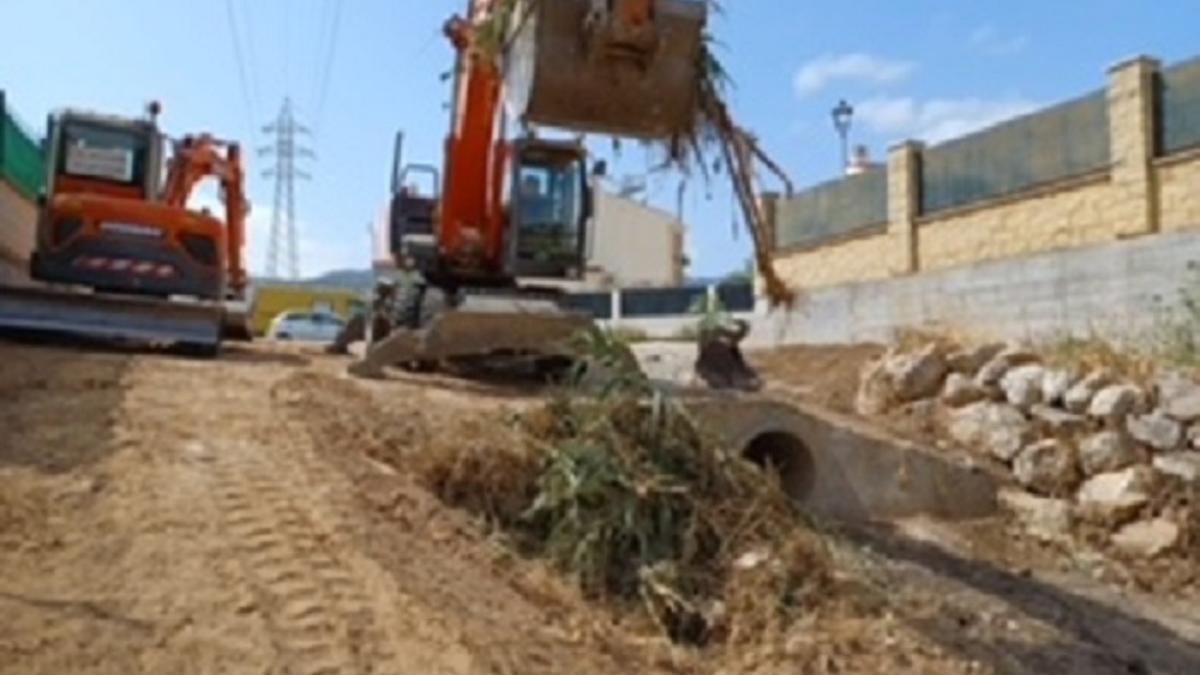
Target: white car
<point x="305" y="327"/>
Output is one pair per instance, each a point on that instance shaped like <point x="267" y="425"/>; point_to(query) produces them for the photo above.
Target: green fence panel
<point x="833" y="210"/>
<point x="1179" y="107"/>
<point x="21" y="160"/>
<point x="1064" y="141"/>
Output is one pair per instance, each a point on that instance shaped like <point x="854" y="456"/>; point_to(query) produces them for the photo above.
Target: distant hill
<point x="359" y="280"/>
<point x="355" y="280"/>
<point x="364" y="280"/>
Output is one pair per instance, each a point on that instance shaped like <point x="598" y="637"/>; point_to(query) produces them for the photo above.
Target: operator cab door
<point x="416" y="191"/>
<point x="549" y="207"/>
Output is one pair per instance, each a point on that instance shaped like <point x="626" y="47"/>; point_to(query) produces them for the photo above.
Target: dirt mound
<point x="263" y="513"/>
<point x="823" y="374"/>
<point x="517" y="615"/>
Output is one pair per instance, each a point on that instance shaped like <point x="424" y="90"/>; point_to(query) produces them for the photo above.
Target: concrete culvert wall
<point x="836" y="467"/>
<point x="785" y="454"/>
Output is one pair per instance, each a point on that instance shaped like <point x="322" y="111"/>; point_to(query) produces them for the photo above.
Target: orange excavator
<point x="515" y="206"/>
<point x="120" y="254"/>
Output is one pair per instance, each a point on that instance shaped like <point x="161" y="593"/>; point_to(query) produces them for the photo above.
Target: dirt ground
<point x="259" y="514"/>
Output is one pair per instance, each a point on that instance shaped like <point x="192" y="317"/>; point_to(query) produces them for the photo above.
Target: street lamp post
<point x="843" y="112"/>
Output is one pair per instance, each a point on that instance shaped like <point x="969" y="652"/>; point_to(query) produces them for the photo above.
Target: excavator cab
<point x="103" y="224"/>
<point x="549" y="209"/>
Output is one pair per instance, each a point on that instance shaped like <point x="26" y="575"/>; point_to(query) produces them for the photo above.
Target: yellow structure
<point x="270" y="300"/>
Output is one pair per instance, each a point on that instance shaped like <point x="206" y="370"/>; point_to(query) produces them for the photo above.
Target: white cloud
<point x="317" y="253"/>
<point x="989" y="40"/>
<point x="824" y="70"/>
<point x="939" y="119"/>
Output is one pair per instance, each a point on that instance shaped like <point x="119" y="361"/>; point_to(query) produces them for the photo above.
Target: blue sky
<point x="924" y="68"/>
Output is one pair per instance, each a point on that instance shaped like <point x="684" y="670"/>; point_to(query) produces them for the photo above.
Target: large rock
<point x="1178" y="396"/>
<point x="1147" y="538"/>
<point x="875" y="391"/>
<point x="1000" y="430"/>
<point x="1107" y="451"/>
<point x="960" y="390"/>
<point x="1047" y="467"/>
<point x="1055" y="383"/>
<point x="1010" y="357"/>
<point x="1116" y="497"/>
<point x="1183" y="465"/>
<point x="1055" y="422"/>
<point x="1156" y="430"/>
<point x="1079" y="396"/>
<point x="1114" y="402"/>
<point x="916" y="375"/>
<point x="1023" y="385"/>
<point x="1045" y="519"/>
<point x="969" y="361"/>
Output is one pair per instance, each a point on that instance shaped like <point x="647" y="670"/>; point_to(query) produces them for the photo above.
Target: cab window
<point x="113" y="155"/>
<point x="550" y="207"/>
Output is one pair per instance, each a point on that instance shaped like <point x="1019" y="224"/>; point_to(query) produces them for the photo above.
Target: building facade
<point x="630" y="245"/>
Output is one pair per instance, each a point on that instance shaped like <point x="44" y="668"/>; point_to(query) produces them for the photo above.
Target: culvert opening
<point x="785" y="455"/>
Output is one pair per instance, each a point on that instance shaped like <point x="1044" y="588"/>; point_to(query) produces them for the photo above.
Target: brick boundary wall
<point x="1138" y="194"/>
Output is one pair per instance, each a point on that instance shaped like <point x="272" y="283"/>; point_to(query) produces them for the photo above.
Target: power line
<point x="328" y="69"/>
<point x="241" y="66"/>
<point x="251" y="53"/>
<point x="319" y="51"/>
<point x="287" y="48"/>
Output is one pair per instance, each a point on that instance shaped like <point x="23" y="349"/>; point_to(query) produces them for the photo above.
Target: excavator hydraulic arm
<point x="197" y="158"/>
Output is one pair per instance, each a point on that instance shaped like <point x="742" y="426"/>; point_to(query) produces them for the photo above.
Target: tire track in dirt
<point x="321" y="622"/>
<point x="281" y="516"/>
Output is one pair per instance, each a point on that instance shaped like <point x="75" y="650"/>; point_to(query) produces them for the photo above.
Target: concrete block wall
<point x="1138" y="194"/>
<point x="1115" y="289"/>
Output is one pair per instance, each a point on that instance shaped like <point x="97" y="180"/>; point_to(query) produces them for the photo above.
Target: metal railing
<point x="21" y="161"/>
<point x="1068" y="140"/>
<point x="833" y="210"/>
<point x="1179" y="108"/>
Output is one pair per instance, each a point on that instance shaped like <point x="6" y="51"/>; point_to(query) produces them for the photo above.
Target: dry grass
<point x="493" y="480"/>
<point x="912" y="339"/>
<point x="1084" y="355"/>
<point x="625" y="493"/>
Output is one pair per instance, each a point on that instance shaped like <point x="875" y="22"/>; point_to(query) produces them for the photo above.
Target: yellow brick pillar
<point x="903" y="187"/>
<point x="1131" y="135"/>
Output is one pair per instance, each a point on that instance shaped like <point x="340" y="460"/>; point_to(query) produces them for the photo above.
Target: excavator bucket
<point x="586" y="66"/>
<point x="193" y="325"/>
<point x="235" y="321"/>
<point x="479" y="327"/>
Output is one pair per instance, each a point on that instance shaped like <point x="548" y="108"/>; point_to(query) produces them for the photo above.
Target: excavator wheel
<point x="419" y="304"/>
<point x="198" y="350"/>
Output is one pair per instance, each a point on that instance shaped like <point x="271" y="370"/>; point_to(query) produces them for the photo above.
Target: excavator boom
<point x="512" y="211"/>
